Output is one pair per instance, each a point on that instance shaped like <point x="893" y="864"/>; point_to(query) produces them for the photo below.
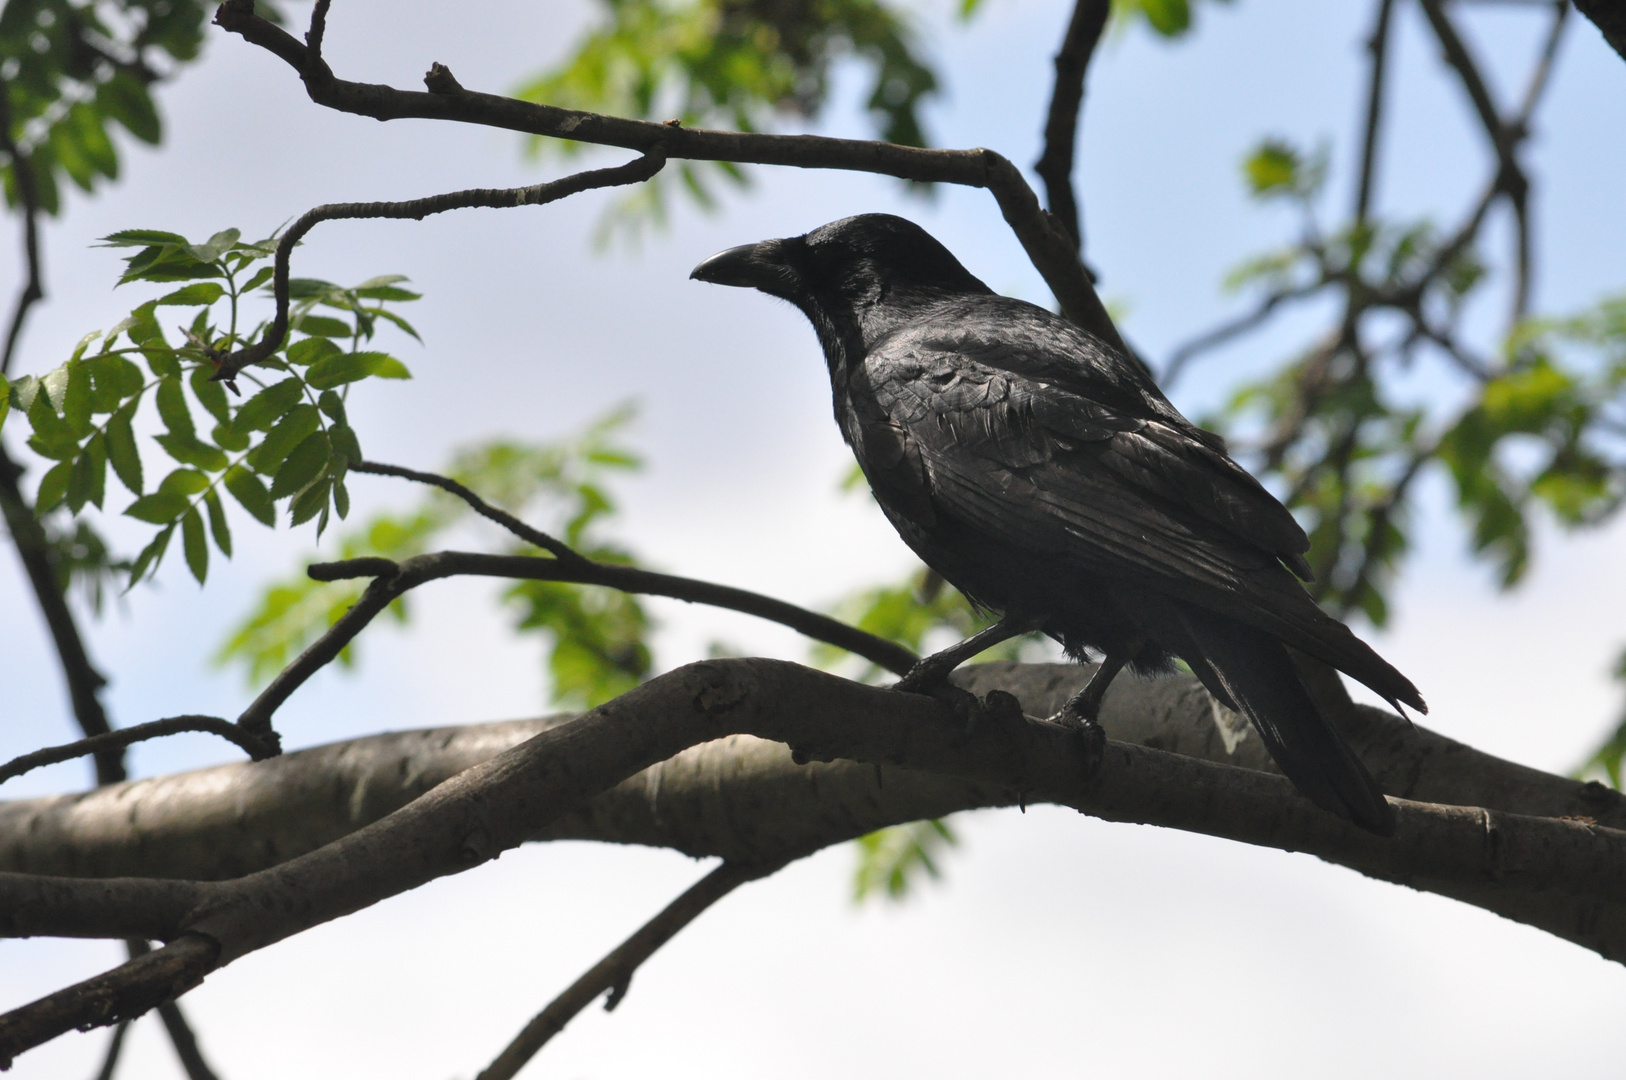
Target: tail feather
<point x="1254" y="672"/>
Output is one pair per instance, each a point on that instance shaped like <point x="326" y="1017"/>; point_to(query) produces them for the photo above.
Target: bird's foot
<point x="1091" y="735"/>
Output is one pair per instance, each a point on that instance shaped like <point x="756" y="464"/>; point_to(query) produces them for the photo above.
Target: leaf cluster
<point x="1530" y="428"/>
<point x="289" y="440"/>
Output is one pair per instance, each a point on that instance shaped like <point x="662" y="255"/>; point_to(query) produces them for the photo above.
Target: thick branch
<point x="1566" y="876"/>
<point x="84" y="681"/>
<point x="1055" y="165"/>
<point x="1049" y="247"/>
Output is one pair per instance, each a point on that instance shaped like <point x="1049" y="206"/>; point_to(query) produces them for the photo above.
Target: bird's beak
<point x="755" y="266"/>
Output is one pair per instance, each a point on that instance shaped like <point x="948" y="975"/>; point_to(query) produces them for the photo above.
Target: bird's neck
<point x="847" y="332"/>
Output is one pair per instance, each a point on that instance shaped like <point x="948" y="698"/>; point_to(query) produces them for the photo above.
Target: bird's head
<point x="848" y="274"/>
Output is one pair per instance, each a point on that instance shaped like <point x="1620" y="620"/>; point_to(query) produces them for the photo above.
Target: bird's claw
<point x="1092" y="736"/>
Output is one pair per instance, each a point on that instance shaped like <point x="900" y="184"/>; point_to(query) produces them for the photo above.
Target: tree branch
<point x="1378" y="46"/>
<point x="1565" y="876"/>
<point x="1223" y="333"/>
<point x="535" y="537"/>
<point x="614" y="973"/>
<point x="123" y="737"/>
<point x="179" y="1031"/>
<point x="22" y="171"/>
<point x="1049" y="247"/>
<point x="632" y="172"/>
<point x="1055" y="165"/>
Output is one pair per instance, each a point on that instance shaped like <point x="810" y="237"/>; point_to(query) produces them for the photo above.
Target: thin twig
<point x="179" y="1031"/>
<point x="1050" y="248"/>
<point x="632" y="172"/>
<point x="123" y="737"/>
<point x="535" y="537"/>
<point x="391" y="580"/>
<point x="1218" y="336"/>
<point x="1378" y="46"/>
<point x="613" y="973"/>
<point x="22" y="171"/>
<point x="121" y="994"/>
<point x="110" y="1060"/>
<point x="1055" y="165"/>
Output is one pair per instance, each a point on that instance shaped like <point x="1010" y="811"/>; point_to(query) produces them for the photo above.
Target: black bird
<point x="1043" y="474"/>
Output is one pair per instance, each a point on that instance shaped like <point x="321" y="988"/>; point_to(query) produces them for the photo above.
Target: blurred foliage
<point x="71" y="70"/>
<point x="1167" y="18"/>
<point x="736" y="64"/>
<point x="598" y="638"/>
<point x="1536" y="425"/>
<point x="892" y="861"/>
<point x="290" y="440"/>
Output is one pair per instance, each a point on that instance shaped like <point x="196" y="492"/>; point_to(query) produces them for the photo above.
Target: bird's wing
<point x="1040" y="467"/>
<point x="1063" y="391"/>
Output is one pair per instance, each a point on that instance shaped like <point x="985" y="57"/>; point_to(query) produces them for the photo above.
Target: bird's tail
<point x="1252" y="672"/>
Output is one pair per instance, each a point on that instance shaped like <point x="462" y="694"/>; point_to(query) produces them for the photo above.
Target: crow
<point x="1042" y="473"/>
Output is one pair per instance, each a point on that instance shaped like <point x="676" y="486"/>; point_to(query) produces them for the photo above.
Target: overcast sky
<point x="1059" y="945"/>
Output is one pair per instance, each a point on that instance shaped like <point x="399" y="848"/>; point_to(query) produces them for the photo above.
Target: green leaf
<point x="183" y="482"/>
<point x="121" y="448"/>
<point x="261" y="276"/>
<point x="150" y="556"/>
<point x="891" y="861"/>
<point x="210" y="394"/>
<point x="216" y="246"/>
<point x="89" y="481"/>
<point x="311" y="502"/>
<point x="311" y="350"/>
<point x="323" y="326"/>
<point x="1272" y="168"/>
<point x="159" y="508"/>
<point x="123" y="98"/>
<point x="217" y="521"/>
<point x="250" y="493"/>
<point x="197" y="294"/>
<point x="383" y="288"/>
<point x="349" y="367"/>
<point x="53" y="488"/>
<point x="289" y="432"/>
<point x="172" y="408"/>
<point x="55" y="385"/>
<point x="189" y="450"/>
<point x="269" y="405"/>
<point x="227" y="437"/>
<point x="142" y="238"/>
<point x="84" y="343"/>
<point x="195" y="544"/>
<point x="76" y="400"/>
<point x="305" y="462"/>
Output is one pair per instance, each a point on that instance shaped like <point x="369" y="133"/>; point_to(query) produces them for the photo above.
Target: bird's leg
<point x="932" y="671"/>
<point x="1084" y="707"/>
